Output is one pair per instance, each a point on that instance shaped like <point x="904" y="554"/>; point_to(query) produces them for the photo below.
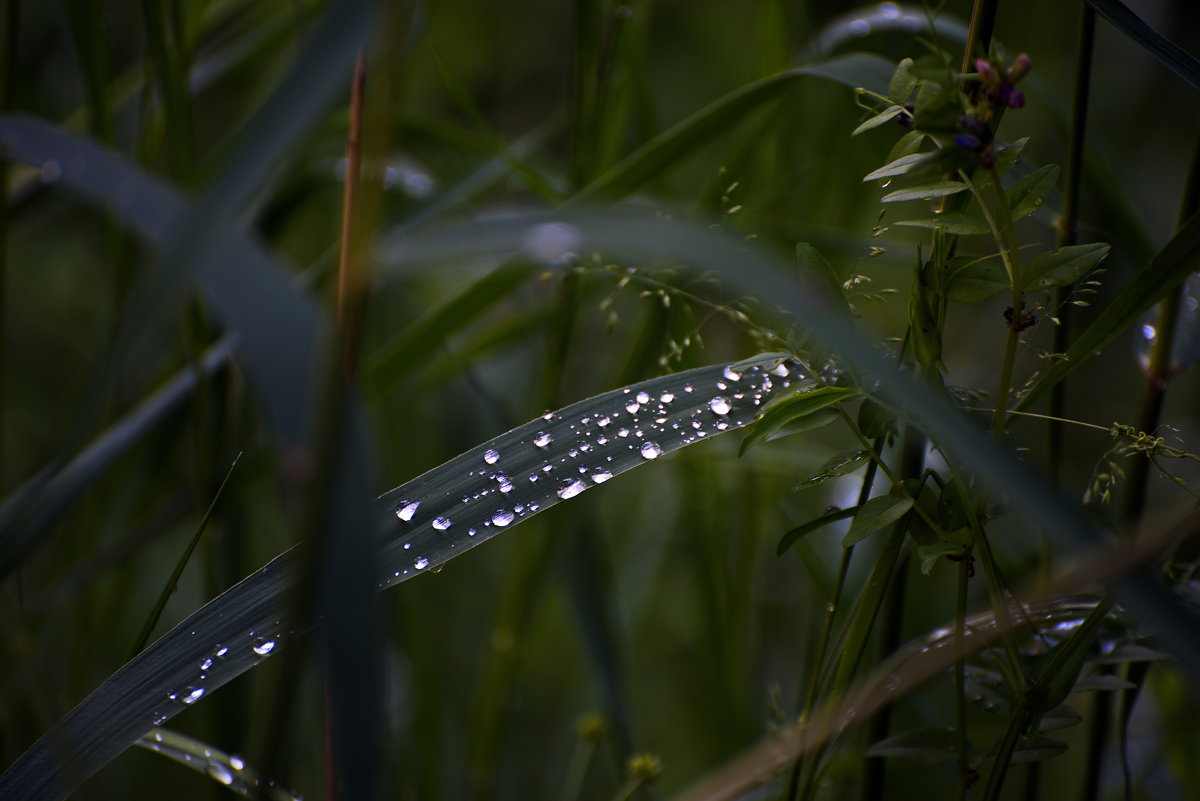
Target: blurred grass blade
<point x="421" y="524"/>
<point x="1170" y="268"/>
<point x="40" y="501"/>
<point x="391" y="362"/>
<point x="662" y="152"/>
<point x="793" y="536"/>
<point x="1167" y="53"/>
<point x="226" y="769"/>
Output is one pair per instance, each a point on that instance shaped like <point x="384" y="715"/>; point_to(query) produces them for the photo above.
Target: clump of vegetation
<point x="325" y="247"/>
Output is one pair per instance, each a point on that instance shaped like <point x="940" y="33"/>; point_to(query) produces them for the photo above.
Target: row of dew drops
<point x="594" y="432"/>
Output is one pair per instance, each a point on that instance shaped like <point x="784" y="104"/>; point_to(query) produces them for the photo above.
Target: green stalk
<point x="1068" y="225"/>
<point x="960" y="678"/>
<point x="8" y="64"/>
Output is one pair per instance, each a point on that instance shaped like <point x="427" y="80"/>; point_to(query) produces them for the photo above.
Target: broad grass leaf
<point x="1167" y="52"/>
<point x="882" y="118"/>
<point x="925" y="192"/>
<point x="899" y="166"/>
<point x="786" y="410"/>
<point x="1064" y="265"/>
<point x="928" y="746"/>
<point x="840" y="465"/>
<point x="958" y="223"/>
<point x="1026" y="195"/>
<point x="663" y="151"/>
<point x="1166" y="271"/>
<point x="419" y="526"/>
<point x="793" y="536"/>
<point x="876" y="514"/>
<point x="973" y="280"/>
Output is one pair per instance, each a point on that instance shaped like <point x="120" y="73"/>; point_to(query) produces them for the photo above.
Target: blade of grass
<point x="1166" y="52"/>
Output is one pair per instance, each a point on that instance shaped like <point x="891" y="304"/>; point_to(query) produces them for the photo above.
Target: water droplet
<point x="731" y="374"/>
<point x="571" y="489"/>
<point x="602" y="420"/>
<point x="601" y="476"/>
<point x="780" y="370"/>
<point x="720" y="405"/>
<point x="236" y="762"/>
<point x="542" y="439"/>
<point x="666" y="397"/>
<point x="548" y="416"/>
<point x="420" y="563"/>
<point x="624" y="432"/>
<point x="193" y="695"/>
<point x="206" y="664"/>
<point x="263" y="647"/>
<point x="632" y="407"/>
<point x="502" y="517"/>
<point x="221" y="651"/>
<point x="220" y="773"/>
<point x="407" y="509"/>
<point x="687" y="387"/>
<point x="490" y="456"/>
<point x="650" y="450"/>
<point x="1149" y="332"/>
<point x="441" y="523"/>
<point x="642" y="397"/>
<point x="505" y="485"/>
<point x="601" y="440"/>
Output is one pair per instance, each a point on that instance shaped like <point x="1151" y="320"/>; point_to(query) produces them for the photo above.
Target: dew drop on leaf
<point x="731" y="374"/>
<point x="490" y="456"/>
<point x="642" y="397"/>
<point x="441" y="523"/>
<point x="193" y="695"/>
<point x="632" y="407"/>
<point x="264" y="647"/>
<point x="571" y="489"/>
<point x="420" y="563"/>
<point x="601" y="476"/>
<point x="502" y="517"/>
<point x="720" y="405"/>
<point x="407" y="509"/>
<point x="650" y="450"/>
<point x="542" y="439"/>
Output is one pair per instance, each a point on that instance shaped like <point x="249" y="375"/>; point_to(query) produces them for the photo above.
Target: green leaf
<point x="958" y="223"/>
<point x="1166" y="271"/>
<point x="927" y="746"/>
<point x="875" y="419"/>
<point x="817" y="419"/>
<point x="786" y="410"/>
<point x="906" y="145"/>
<point x="1102" y="682"/>
<point x="1063" y="266"/>
<point x="876" y="514"/>
<point x="792" y="537"/>
<point x="903" y="82"/>
<point x="840" y="465"/>
<point x="1063" y="716"/>
<point x="972" y="280"/>
<point x="1026" y="195"/>
<point x="226" y="769"/>
<point x="1167" y="52"/>
<point x="925" y="192"/>
<point x="899" y="166"/>
<point x="814" y="269"/>
<point x="1036" y="749"/>
<point x="930" y="554"/>
<point x="883" y="117"/>
<point x="1006" y="157"/>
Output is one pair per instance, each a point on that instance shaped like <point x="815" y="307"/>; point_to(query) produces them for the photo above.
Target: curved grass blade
<point x="421" y="524"/>
<point x="1169" y="268"/>
<point x="41" y="500"/>
<point x="227" y="769"/>
<point x="660" y="153"/>
<point x="1167" y="52"/>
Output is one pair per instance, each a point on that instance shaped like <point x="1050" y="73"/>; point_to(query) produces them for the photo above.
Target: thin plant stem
<point x="979" y="33"/>
<point x="351" y="283"/>
<point x="1068" y="225"/>
<point x="8" y="63"/>
<point x="960" y="678"/>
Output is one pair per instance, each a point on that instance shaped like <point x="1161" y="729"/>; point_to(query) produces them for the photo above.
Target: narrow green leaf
<point x="1027" y="195"/>
<point x="927" y="746"/>
<point x="1166" y="271"/>
<point x="1063" y="716"/>
<point x="1006" y="157"/>
<point x="898" y="167"/>
<point x="839" y="465"/>
<point x="1167" y="52"/>
<point x="903" y="82"/>
<point x="224" y="768"/>
<point x="793" y="536"/>
<point x="906" y="145"/>
<point x="1102" y="682"/>
<point x="885" y="116"/>
<point x="973" y="280"/>
<point x="876" y="514"/>
<point x="1064" y="266"/>
<point x="788" y="409"/>
<point x="952" y="222"/>
<point x="925" y="192"/>
<point x="818" y="419"/>
<point x="1037" y="749"/>
<point x="875" y="419"/>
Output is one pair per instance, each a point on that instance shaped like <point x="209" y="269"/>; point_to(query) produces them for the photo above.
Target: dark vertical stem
<point x="8" y="63"/>
<point x="1098" y="729"/>
<point x="1068" y="225"/>
<point x="350" y="284"/>
<point x="979" y="34"/>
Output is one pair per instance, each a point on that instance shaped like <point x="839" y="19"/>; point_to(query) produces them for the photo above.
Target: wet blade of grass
<point x="1165" y="51"/>
<point x="226" y="769"/>
<point x="421" y="524"/>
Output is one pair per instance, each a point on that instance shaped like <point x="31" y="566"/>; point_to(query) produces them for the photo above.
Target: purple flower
<point x="974" y="126"/>
<point x="969" y="142"/>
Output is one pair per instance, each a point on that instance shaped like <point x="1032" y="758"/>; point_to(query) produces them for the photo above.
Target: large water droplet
<point x="632" y="407"/>
<point x="206" y="664"/>
<point x="420" y="563"/>
<point x="490" y="456"/>
<point x="441" y="523"/>
<point x="666" y="397"/>
<point x="571" y="489"/>
<point x="601" y="476"/>
<point x="650" y="450"/>
<point x="720" y="405"/>
<point x="642" y="397"/>
<point x="193" y="695"/>
<point x="220" y="773"/>
<point x="542" y="439"/>
<point x="407" y="509"/>
<point x="602" y="420"/>
<point x="263" y="647"/>
<point x="780" y="370"/>
<point x="731" y="374"/>
<point x="236" y="762"/>
<point x="502" y="517"/>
